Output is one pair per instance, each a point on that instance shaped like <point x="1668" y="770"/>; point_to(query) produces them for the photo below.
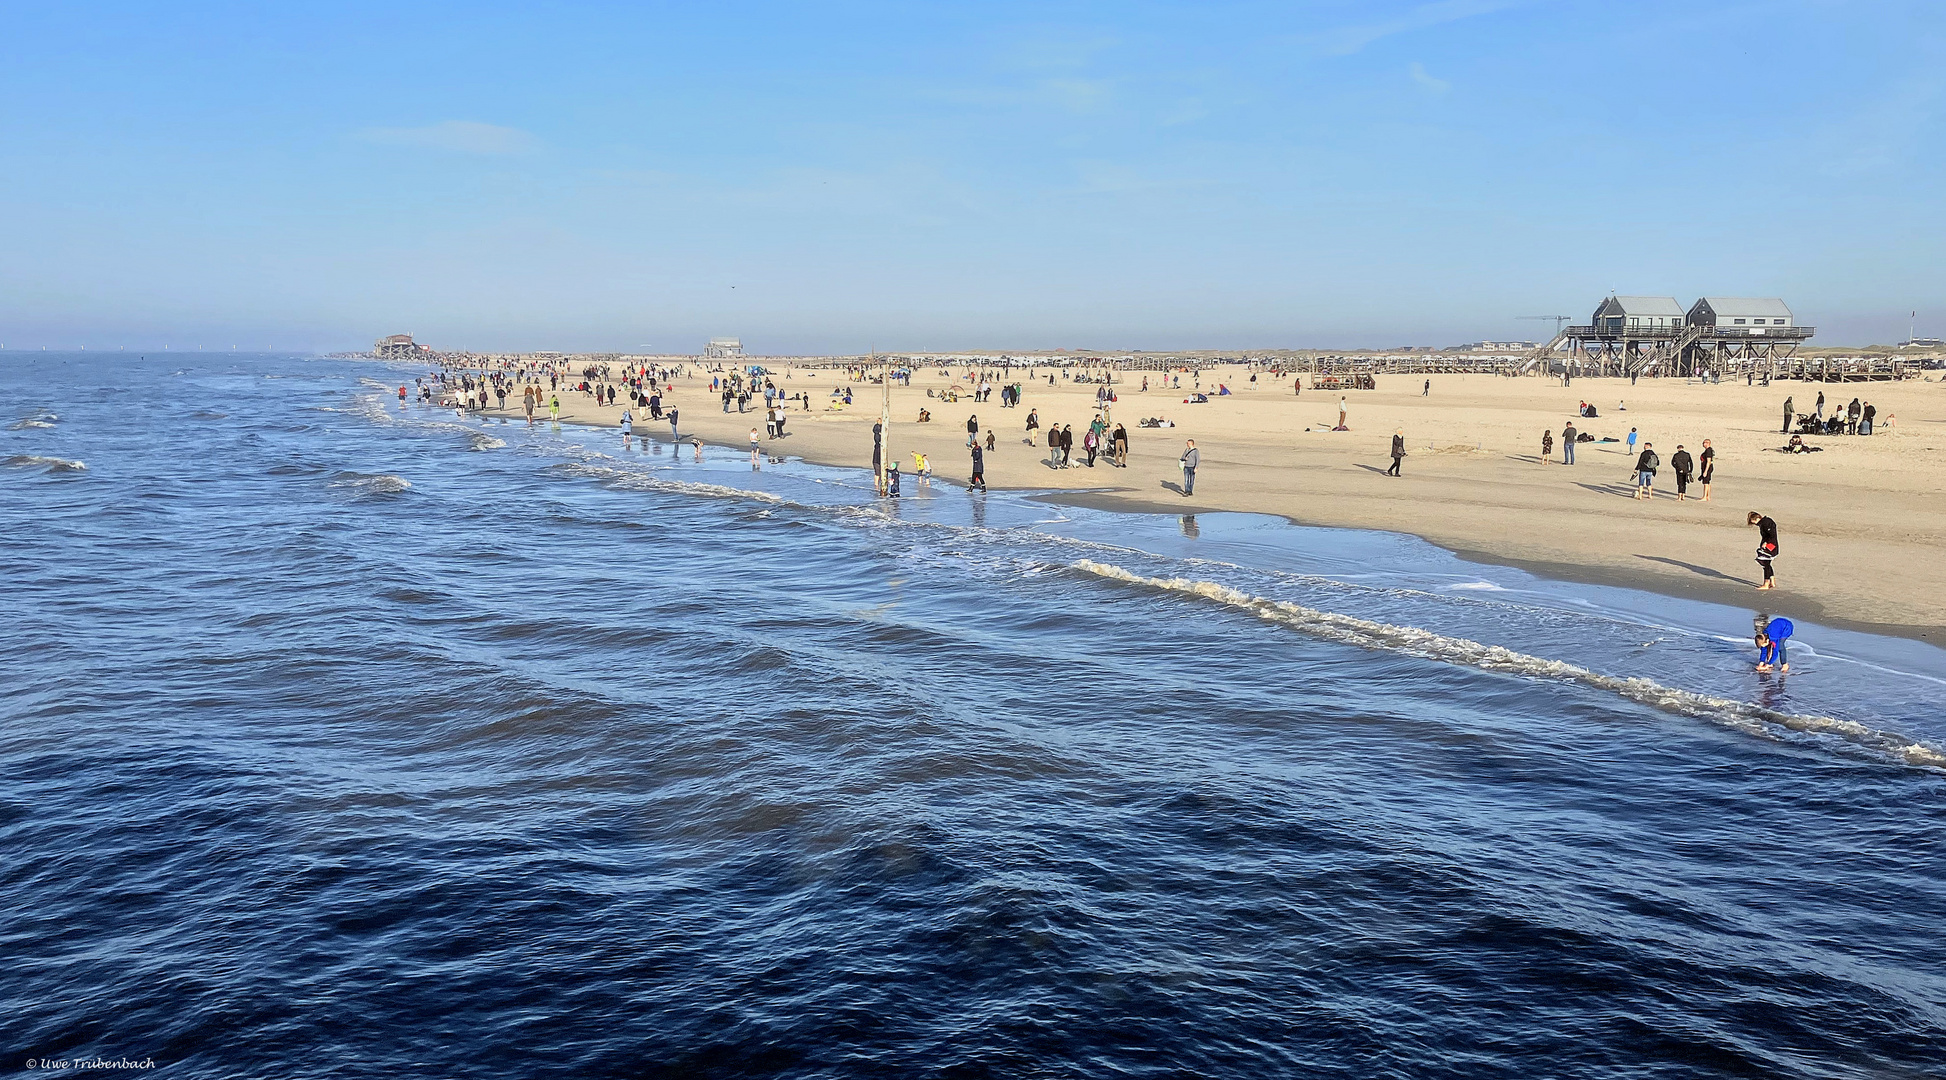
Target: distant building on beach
<point x="1729" y="312"/>
<point x="398" y="347"/>
<point x="1618" y="314"/>
<point x="1639" y="335"/>
<point x="723" y="348"/>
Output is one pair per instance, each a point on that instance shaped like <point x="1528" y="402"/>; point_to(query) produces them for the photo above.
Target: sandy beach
<point x="1856" y="518"/>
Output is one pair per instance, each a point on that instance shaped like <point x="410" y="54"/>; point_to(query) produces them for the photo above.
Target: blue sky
<point x="832" y="177"/>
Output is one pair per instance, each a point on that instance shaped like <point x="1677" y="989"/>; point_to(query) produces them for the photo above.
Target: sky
<point x="830" y="178"/>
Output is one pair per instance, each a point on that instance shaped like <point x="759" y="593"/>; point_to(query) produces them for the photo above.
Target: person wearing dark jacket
<point x="1766" y="546"/>
<point x="1398" y="452"/>
<point x="1568" y="435"/>
<point x="979" y="481"/>
<point x="1680" y="461"/>
<point x="1851" y="417"/>
<point x="1645" y="467"/>
<point x="1707" y="471"/>
<point x="1789" y="416"/>
<point x="1190" y="459"/>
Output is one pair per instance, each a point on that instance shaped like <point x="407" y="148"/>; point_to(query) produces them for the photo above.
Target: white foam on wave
<point x="643" y="481"/>
<point x="383" y="484"/>
<point x="482" y="441"/>
<point x="51" y="464"/>
<point x="1413" y="641"/>
<point x="1482" y="586"/>
<point x="23" y="425"/>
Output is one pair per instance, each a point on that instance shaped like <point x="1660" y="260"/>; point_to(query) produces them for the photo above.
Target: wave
<point x="642" y="481"/>
<point x="50" y="464"/>
<point x="367" y="484"/>
<point x="23" y="425"/>
<point x="485" y="442"/>
<point x="1413" y="641"/>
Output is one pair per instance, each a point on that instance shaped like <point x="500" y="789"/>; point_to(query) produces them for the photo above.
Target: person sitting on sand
<point x="925" y="416"/>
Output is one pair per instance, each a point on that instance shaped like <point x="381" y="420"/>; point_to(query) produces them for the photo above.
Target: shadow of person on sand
<point x="1369" y="468"/>
<point x="1694" y="569"/>
<point x="1172" y="486"/>
<point x="1621" y="490"/>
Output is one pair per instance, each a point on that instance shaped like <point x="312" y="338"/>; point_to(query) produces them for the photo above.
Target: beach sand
<point x="1862" y="523"/>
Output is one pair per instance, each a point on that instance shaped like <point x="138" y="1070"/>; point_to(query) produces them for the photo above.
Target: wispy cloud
<point x="1425" y="79"/>
<point x="1345" y="40"/>
<point x="461" y="136"/>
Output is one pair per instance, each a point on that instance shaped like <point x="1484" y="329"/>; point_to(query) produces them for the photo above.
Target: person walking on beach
<point x="1631" y="440"/>
<point x="1820" y="413"/>
<point x="922" y="469"/>
<point x="1766" y="546"/>
<point x="1189" y="460"/>
<point x="527" y="402"/>
<point x="673" y="433"/>
<point x="1680" y="461"/>
<point x="1706" y="469"/>
<point x="1033" y="424"/>
<point x="753" y="446"/>
<point x="1341" y="414"/>
<point x="1568" y="435"/>
<point x="1120" y="445"/>
<point x="554" y="407"/>
<point x="1645" y="467"/>
<point x="1547" y="446"/>
<point x="628" y="426"/>
<point x="1788" y="415"/>
<point x="972" y="429"/>
<point x="979" y="481"/>
<point x="1398" y="452"/>
<point x="1427" y="392"/>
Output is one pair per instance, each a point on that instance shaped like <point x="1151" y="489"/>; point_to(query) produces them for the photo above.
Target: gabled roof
<point x="1649" y="305"/>
<point x="1739" y="307"/>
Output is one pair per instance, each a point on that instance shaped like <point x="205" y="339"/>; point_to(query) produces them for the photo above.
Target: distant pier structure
<point x="723" y="348"/>
<point x="398" y="347"/>
<point x="1655" y="335"/>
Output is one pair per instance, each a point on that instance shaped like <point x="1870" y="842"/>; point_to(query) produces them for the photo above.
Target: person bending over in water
<point x="1770" y="646"/>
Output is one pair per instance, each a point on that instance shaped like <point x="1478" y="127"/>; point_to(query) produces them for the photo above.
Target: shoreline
<point x="1112" y="500"/>
<point x="1856" y="520"/>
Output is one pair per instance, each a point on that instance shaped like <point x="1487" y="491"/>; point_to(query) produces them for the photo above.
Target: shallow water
<point x="353" y="740"/>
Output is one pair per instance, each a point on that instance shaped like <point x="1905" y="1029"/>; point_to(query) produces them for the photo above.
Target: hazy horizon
<point x="826" y="181"/>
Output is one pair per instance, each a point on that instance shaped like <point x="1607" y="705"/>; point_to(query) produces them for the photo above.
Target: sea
<point x="346" y="738"/>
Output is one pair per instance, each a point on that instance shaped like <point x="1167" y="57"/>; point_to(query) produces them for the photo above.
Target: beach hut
<point x="1618" y="315"/>
<point x="1740" y="315"/>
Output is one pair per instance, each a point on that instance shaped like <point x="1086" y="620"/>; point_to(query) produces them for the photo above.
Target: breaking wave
<point x="1413" y="641"/>
<point x="50" y="464"/>
<point x="367" y="484"/>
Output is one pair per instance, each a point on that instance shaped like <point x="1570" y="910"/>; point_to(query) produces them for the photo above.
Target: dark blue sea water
<point x="346" y="740"/>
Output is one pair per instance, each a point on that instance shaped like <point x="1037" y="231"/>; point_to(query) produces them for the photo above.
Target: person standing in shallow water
<point x="1766" y="546"/>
